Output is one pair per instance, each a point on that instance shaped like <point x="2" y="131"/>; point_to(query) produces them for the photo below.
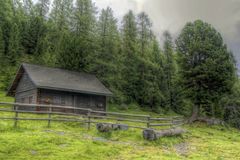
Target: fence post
<point x="49" y="116"/>
<point x="148" y="122"/>
<point x="16" y="116"/>
<point x="89" y="118"/>
<point x="172" y="121"/>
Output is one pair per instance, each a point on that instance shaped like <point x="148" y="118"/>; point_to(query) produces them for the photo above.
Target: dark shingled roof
<point x="64" y="80"/>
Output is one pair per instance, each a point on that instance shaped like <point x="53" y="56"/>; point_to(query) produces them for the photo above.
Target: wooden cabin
<point x="36" y="84"/>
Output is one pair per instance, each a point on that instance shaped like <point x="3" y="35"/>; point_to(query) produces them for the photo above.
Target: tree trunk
<point x="150" y="134"/>
<point x="195" y="114"/>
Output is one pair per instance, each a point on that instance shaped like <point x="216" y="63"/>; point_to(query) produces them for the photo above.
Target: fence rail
<point x="85" y="115"/>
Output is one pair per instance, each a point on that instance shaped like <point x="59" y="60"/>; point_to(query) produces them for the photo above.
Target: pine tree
<point x="159" y="78"/>
<point x="6" y="16"/>
<point x="34" y="32"/>
<point x="144" y="67"/>
<point x="107" y="63"/>
<point x="84" y="29"/>
<point x="14" y="45"/>
<point x="207" y="67"/>
<point x="42" y="8"/>
<point x="2" y="47"/>
<point x="144" y="33"/>
<point x="130" y="61"/>
<point x="6" y="12"/>
<point x="28" y="7"/>
<point x="169" y="68"/>
<point x="61" y="13"/>
<point x="84" y="18"/>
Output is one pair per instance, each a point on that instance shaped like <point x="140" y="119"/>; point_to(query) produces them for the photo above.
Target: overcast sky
<point x="172" y="15"/>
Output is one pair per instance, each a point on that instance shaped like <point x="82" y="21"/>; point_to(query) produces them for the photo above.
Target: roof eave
<point x="10" y="88"/>
<point x="76" y="91"/>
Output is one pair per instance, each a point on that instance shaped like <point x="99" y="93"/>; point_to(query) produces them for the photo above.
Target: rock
<point x="103" y="127"/>
<point x="123" y="127"/>
<point x="115" y="126"/>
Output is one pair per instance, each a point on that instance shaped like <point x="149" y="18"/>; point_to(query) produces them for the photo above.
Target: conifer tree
<point x="157" y="59"/>
<point x="169" y="67"/>
<point x="28" y="7"/>
<point x="14" y="45"/>
<point x="129" y="50"/>
<point x="6" y="16"/>
<point x="34" y="32"/>
<point x="61" y="13"/>
<point x="145" y="65"/>
<point x="42" y="8"/>
<point x="2" y="47"/>
<point x="84" y="28"/>
<point x="107" y="63"/>
<point x="144" y="33"/>
<point x="207" y="67"/>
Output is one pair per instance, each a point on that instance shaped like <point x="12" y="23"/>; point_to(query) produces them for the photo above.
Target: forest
<point x="193" y="75"/>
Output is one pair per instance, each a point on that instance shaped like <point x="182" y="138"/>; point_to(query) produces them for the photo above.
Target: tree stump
<point x="151" y="134"/>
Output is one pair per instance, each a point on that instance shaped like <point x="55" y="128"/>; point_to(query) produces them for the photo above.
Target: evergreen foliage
<point x="169" y="68"/>
<point x="207" y="67"/>
<point x="126" y="57"/>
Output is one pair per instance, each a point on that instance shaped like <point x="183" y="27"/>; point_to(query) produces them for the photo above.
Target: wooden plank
<point x="119" y="119"/>
<point x="42" y="105"/>
<point x="162" y="124"/>
<point x="43" y="119"/>
<point x="41" y="112"/>
<point x="138" y="127"/>
<point x="121" y="114"/>
<point x="160" y="119"/>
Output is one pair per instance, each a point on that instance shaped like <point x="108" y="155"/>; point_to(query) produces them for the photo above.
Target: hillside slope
<point x="33" y="140"/>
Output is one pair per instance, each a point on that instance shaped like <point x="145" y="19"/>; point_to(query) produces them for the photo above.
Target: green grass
<point x="33" y="140"/>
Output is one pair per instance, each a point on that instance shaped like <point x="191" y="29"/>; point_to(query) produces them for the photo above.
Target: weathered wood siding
<point x="26" y="91"/>
<point x="29" y="96"/>
<point x="25" y="84"/>
<point x="72" y="99"/>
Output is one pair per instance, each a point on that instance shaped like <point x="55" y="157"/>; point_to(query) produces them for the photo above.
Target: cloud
<point x="172" y="15"/>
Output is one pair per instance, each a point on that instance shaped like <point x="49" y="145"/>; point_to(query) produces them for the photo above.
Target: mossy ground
<point x="67" y="141"/>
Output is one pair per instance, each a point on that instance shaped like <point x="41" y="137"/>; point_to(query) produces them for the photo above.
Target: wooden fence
<point x="85" y="115"/>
